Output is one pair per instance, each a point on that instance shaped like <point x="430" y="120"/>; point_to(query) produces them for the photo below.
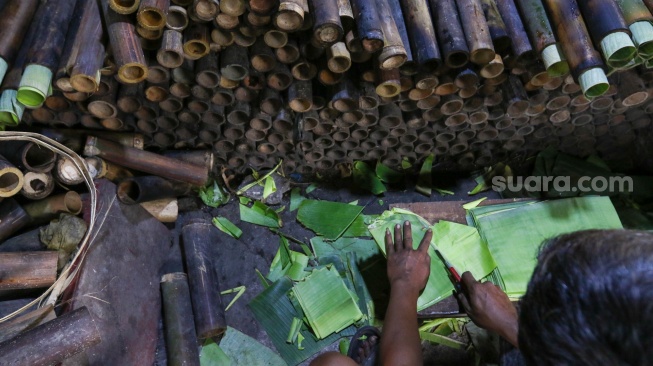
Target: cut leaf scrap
<point x="227" y="226"/>
<point x="424" y="181"/>
<point x="365" y="178"/>
<point x="270" y="187"/>
<point x="260" y="214"/>
<point x="329" y="219"/>
<point x="213" y="195"/>
<point x="245" y="350"/>
<point x="296" y="199"/>
<point x="387" y="174"/>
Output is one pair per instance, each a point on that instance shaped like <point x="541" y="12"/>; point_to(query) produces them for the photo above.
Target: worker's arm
<point x="408" y="271"/>
<point x="489" y="308"/>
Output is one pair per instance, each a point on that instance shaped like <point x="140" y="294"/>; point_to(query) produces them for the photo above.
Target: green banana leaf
<point x="245" y="350"/>
<point x="329" y="219"/>
<point x="365" y="178"/>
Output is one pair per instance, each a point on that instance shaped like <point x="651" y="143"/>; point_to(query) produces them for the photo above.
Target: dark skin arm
<point x="489" y="308"/>
<point x="408" y="271"/>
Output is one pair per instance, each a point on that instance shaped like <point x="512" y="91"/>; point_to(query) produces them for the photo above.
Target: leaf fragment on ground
<point x="365" y="178"/>
<point x="329" y="219"/>
<point x="213" y="195"/>
<point x="260" y="214"/>
<point x="424" y="181"/>
<point x="227" y="227"/>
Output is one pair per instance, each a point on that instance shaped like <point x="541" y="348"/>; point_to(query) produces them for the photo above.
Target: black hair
<point x="590" y="301"/>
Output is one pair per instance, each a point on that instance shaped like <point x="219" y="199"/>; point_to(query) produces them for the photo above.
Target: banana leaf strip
<point x="387" y="174"/>
<point x="227" y="226"/>
<point x="329" y="219"/>
<point x="296" y="199"/>
<point x="365" y="178"/>
<point x="269" y="188"/>
<point x="213" y="355"/>
<point x="365" y="249"/>
<point x="274" y="312"/>
<point x="445" y="341"/>
<point x="245" y="350"/>
<point x="288" y="263"/>
<point x="425" y="180"/>
<point x="260" y="214"/>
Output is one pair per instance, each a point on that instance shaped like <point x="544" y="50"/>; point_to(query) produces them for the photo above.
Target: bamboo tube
<point x="638" y="18"/>
<point x="262" y="57"/>
<point x="206" y="70"/>
<point x="279" y="78"/>
<point x="327" y="28"/>
<point x="45" y="53"/>
<point x="47" y="209"/>
<point x="28" y="270"/>
<point x="198" y="106"/>
<point x="188" y="117"/>
<point x="171" y="54"/>
<point x="127" y="51"/>
<point x="11" y="178"/>
<point x="448" y="27"/>
<point x="204" y="286"/>
<point x="17" y="17"/>
<point x="234" y="8"/>
<point x="339" y="59"/>
<point x="54" y="341"/>
<point x="12" y="218"/>
<point x="393" y="54"/>
<point x="275" y="38"/>
<point x="368" y="24"/>
<point x="585" y="62"/>
<point x="387" y="83"/>
<point x="146" y="162"/>
<point x="177" y="18"/>
<point x="497" y="27"/>
<point x="124" y="6"/>
<point x="609" y="29"/>
<point x="521" y="45"/>
<point x="223" y="97"/>
<point x="132" y="191"/>
<point x="152" y="14"/>
<point x="233" y="62"/>
<point x="631" y="89"/>
<point x="196" y="41"/>
<point x="300" y="96"/>
<point x="421" y="33"/>
<point x="288" y="53"/>
<point x="290" y="15"/>
<point x="476" y="30"/>
<point x="303" y="70"/>
<point x="105" y="106"/>
<point x="346" y="15"/>
<point x="239" y="114"/>
<point x="203" y="11"/>
<point x="180" y="333"/>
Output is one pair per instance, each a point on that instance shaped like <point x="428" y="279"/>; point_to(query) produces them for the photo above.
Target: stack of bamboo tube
<point x="324" y="83"/>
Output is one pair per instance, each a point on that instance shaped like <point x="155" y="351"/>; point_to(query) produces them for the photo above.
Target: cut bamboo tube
<point x="124" y="6"/>
<point x="206" y="10"/>
<point x="288" y="53"/>
<point x="204" y="286"/>
<point x="421" y="33"/>
<point x="222" y="37"/>
<point x="631" y="89"/>
<point x="387" y="83"/>
<point x="132" y="191"/>
<point x="275" y="38"/>
<point x="223" y="97"/>
<point x="585" y="62"/>
<point x="609" y="29"/>
<point x="496" y="25"/>
<point x="521" y="45"/>
<point x="171" y="54"/>
<point x="327" y="28"/>
<point x="300" y="96"/>
<point x="339" y="59"/>
<point x="206" y="71"/>
<point x="152" y="14"/>
<point x="262" y="57"/>
<point x="393" y="54"/>
<point x="180" y="333"/>
<point x="476" y="30"/>
<point x="71" y="46"/>
<point x="105" y="106"/>
<point x="233" y="63"/>
<point x="146" y="162"/>
<point x="45" y="53"/>
<point x="177" y="18"/>
<point x="28" y="270"/>
<point x="234" y="8"/>
<point x="227" y="22"/>
<point x="17" y="17"/>
<point x="290" y="15"/>
<point x="54" y="341"/>
<point x="450" y="32"/>
<point x="368" y="24"/>
<point x="196" y="41"/>
<point x="127" y="51"/>
<point x="11" y="178"/>
<point x="280" y="77"/>
<point x="47" y="209"/>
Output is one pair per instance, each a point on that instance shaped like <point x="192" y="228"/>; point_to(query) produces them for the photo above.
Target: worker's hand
<point x="489" y="307"/>
<point x="408" y="269"/>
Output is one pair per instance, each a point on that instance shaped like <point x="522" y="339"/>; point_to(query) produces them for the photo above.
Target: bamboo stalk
<point x="327" y="28"/>
<point x="177" y="18"/>
<point x="393" y="54"/>
<point x="288" y="53"/>
<point x="476" y="30"/>
<point x="497" y="27"/>
<point x="290" y="15"/>
<point x="339" y="59"/>
<point x="17" y="17"/>
<point x="368" y="23"/>
<point x="171" y="54"/>
<point x="521" y="45"/>
<point x="204" y="286"/>
<point x="152" y="14"/>
<point x="421" y="33"/>
<point x="181" y="339"/>
<point x="280" y="77"/>
<point x="47" y="209"/>
<point x="196" y="41"/>
<point x="146" y="161"/>
<point x="127" y="51"/>
<point x="12" y="218"/>
<point x="448" y="27"/>
<point x="585" y="62"/>
<point x="28" y="270"/>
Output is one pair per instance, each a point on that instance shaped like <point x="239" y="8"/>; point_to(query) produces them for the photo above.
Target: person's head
<point x="590" y="301"/>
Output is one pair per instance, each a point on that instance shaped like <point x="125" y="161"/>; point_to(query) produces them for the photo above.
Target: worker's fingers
<point x="426" y="241"/>
<point x="468" y="282"/>
<point x="389" y="245"/>
<point x="408" y="236"/>
<point x="462" y="299"/>
<point x="398" y="238"/>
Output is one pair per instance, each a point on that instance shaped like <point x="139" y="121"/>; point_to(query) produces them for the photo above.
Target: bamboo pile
<point x="324" y="83"/>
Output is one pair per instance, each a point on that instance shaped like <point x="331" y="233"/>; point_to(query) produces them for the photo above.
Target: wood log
<point x="204" y="285"/>
<point x="28" y="270"/>
<point x="146" y="162"/>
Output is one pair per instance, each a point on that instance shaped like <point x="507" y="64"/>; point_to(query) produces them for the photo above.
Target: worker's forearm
<point x="400" y="343"/>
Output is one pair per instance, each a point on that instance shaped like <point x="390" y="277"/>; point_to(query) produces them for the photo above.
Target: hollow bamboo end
<point x="554" y="62"/>
<point x="457" y="59"/>
<point x="124" y="6"/>
<point x="132" y="73"/>
<point x="34" y="86"/>
<point x="290" y="16"/>
<point x="11" y="181"/>
<point x="593" y="82"/>
<point x="643" y="37"/>
<point x="618" y="47"/>
<point x="392" y="57"/>
<point x="493" y="69"/>
<point x="3" y="68"/>
<point x="151" y="18"/>
<point x="85" y="83"/>
<point x="11" y="111"/>
<point x="195" y="49"/>
<point x="482" y="56"/>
